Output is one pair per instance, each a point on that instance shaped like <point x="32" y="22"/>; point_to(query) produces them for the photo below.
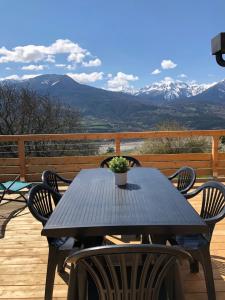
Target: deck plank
<point x="23" y="259"/>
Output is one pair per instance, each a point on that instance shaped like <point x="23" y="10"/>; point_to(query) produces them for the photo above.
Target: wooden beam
<point x="22" y="163"/>
<point x="117" y="142"/>
<point x="215" y="147"/>
<point x="110" y="135"/>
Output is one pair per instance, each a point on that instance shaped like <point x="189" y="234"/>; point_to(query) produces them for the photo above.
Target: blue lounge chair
<point x="14" y="187"/>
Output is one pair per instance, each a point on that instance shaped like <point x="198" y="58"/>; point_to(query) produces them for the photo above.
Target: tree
<point x="168" y="145"/>
<point x="23" y="111"/>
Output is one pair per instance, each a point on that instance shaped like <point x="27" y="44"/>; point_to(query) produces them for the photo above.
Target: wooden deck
<point x="23" y="260"/>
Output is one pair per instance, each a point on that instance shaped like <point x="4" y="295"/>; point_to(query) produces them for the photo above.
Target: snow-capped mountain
<point x="214" y="94"/>
<point x="167" y="100"/>
<point x="169" y="89"/>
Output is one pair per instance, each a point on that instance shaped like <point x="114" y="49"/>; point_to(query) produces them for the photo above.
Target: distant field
<point x="132" y="146"/>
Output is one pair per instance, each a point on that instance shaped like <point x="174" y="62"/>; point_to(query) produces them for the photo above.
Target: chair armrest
<point x="193" y="194"/>
<point x="68" y="181"/>
<point x="217" y="218"/>
<point x="173" y="175"/>
<point x="64" y="179"/>
<point x="184" y="191"/>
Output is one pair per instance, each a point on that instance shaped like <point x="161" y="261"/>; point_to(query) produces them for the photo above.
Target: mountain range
<point x="169" y="90"/>
<point x="198" y="106"/>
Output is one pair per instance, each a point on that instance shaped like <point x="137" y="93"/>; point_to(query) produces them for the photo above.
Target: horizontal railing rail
<point x="31" y="167"/>
<point x="111" y="135"/>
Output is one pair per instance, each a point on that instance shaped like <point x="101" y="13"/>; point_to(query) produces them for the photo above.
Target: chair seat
<point x="17" y="185"/>
<point x="64" y="243"/>
<point x="194" y="241"/>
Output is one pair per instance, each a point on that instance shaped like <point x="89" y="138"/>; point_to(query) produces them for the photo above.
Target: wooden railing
<point x="211" y="164"/>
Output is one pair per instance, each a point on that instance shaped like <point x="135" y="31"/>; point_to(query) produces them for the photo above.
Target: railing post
<point x="117" y="142"/>
<point x="215" y="147"/>
<point x="21" y="156"/>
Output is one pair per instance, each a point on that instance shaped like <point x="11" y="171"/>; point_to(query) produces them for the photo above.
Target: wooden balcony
<point x="23" y="261"/>
<point x="23" y="255"/>
<point x="30" y="166"/>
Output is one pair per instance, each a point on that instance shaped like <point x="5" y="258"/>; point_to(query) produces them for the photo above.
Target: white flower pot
<point x="121" y="178"/>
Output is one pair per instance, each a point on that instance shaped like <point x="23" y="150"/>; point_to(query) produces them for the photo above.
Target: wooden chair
<point x="212" y="211"/>
<point x="186" y="177"/>
<point x="41" y="203"/>
<point x="53" y="179"/>
<point x="133" y="162"/>
<point x="127" y="272"/>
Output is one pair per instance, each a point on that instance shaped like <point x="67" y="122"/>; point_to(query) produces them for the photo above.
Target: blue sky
<point x="111" y="44"/>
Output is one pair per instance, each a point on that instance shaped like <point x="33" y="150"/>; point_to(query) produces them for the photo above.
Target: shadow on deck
<point x="23" y="260"/>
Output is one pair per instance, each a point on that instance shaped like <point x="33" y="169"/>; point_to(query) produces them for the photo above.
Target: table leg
<point x="145" y="239"/>
<point x="159" y="239"/>
<point x="92" y="241"/>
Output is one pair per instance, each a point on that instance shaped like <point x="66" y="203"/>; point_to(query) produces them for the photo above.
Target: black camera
<point x="218" y="48"/>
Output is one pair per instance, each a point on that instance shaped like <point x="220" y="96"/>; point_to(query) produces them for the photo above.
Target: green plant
<point x="119" y="165"/>
<point x="173" y="145"/>
<point x="110" y="150"/>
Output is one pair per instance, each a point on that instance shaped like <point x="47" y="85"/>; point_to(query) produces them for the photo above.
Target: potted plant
<point x="120" y="166"/>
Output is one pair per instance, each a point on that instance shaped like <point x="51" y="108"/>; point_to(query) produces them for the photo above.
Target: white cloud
<point x="92" y="63"/>
<point x="121" y="81"/>
<point x="109" y="75"/>
<point x="168" y="79"/>
<point x="50" y="59"/>
<point x="182" y="76"/>
<point x="86" y="77"/>
<point x="156" y="71"/>
<point x="8" y="68"/>
<point x="71" y="67"/>
<point x="37" y="53"/>
<point x="17" y="77"/>
<point x="76" y="57"/>
<point x="168" y="64"/>
<point x="65" y="46"/>
<point x="34" y="67"/>
<point x="23" y="54"/>
<point x="60" y="65"/>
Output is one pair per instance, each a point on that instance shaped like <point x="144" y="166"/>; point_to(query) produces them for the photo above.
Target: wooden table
<point x="149" y="204"/>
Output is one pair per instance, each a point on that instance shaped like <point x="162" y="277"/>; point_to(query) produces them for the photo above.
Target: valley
<point x="192" y="105"/>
